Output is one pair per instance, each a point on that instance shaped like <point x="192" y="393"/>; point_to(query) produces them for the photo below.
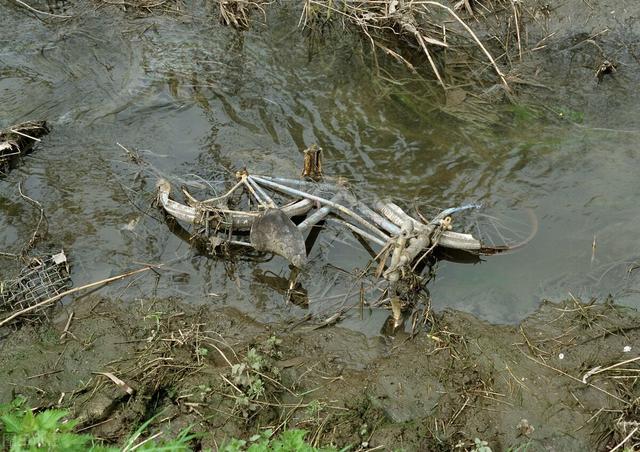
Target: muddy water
<point x="195" y="98"/>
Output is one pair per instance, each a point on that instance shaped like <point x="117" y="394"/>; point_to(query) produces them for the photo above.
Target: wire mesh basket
<point x="38" y="281"/>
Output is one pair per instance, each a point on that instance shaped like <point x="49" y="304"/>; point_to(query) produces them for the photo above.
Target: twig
<point x="32" y="9"/>
<point x="34" y="237"/>
<point x="44" y="374"/>
<point x="66" y="328"/>
<point x="625" y="440"/>
<point x="597" y="370"/>
<point x="515" y="16"/>
<point x="432" y="63"/>
<point x="25" y="135"/>
<point x="125" y="387"/>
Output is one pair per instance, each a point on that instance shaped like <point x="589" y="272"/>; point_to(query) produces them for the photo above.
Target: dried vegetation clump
<point x="234" y="13"/>
<point x="453" y="40"/>
<point x="17" y="141"/>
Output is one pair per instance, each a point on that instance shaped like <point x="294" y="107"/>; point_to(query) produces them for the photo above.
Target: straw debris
<point x="399" y="27"/>
<point x="17" y="141"/>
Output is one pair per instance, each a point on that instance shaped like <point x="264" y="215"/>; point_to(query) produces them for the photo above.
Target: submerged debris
<point x="402" y="238"/>
<point x="39" y="280"/>
<point x="17" y="141"/>
<point x="265" y="208"/>
<point x="283" y="216"/>
<point x="312" y="162"/>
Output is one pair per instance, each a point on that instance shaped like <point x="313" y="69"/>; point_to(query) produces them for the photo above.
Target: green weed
<point x="480" y="446"/>
<point x="249" y="375"/>
<point x="51" y="430"/>
<point x="25" y="431"/>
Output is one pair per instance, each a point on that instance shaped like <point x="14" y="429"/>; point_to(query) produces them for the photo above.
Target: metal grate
<point x="40" y="280"/>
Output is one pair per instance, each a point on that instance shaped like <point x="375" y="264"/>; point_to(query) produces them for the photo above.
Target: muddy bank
<point x="228" y="376"/>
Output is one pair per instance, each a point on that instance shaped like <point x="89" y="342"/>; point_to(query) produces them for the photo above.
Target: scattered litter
<point x="561" y="356"/>
<point x="626" y="349"/>
<point x="17" y="141"/>
<point x="39" y="280"/>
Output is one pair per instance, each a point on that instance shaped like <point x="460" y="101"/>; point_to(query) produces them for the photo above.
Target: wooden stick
<point x="30" y="8"/>
<point x="25" y="135"/>
<point x="72" y="291"/>
<point x="66" y="328"/>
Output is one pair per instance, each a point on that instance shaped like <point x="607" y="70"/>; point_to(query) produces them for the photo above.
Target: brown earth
<point x="464" y="379"/>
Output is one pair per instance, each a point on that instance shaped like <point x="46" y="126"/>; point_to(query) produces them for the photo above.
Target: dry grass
<point x="236" y="13"/>
<point x="441" y="35"/>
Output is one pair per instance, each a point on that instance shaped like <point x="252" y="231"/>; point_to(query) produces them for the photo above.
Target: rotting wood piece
<point x="17" y="141"/>
<point x="313" y="162"/>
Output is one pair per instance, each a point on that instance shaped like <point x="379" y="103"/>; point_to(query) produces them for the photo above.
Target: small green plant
<point x="270" y="347"/>
<point x="249" y="375"/>
<point x="522" y="447"/>
<point x="571" y="115"/>
<point x="50" y="430"/>
<point x="480" y="446"/>
<point x="316" y="407"/>
<point x="287" y="441"/>
<point x="25" y="431"/>
<point x="246" y="377"/>
<point x="178" y="444"/>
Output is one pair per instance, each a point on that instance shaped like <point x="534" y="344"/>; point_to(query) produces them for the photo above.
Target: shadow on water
<point x="196" y="99"/>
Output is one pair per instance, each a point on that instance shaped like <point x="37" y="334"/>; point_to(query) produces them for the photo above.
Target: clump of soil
<point x="228" y="376"/>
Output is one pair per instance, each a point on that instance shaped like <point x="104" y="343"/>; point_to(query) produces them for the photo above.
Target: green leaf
<point x="48" y="420"/>
<point x="12" y="423"/>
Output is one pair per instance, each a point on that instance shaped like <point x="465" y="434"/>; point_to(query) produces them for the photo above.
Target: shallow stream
<point x="194" y="97"/>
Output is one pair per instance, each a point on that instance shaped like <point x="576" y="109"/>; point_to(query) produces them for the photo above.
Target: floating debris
<point x="17" y="141"/>
<point x="39" y="280"/>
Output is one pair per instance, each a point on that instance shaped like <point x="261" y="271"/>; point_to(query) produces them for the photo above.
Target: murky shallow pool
<point x="195" y="98"/>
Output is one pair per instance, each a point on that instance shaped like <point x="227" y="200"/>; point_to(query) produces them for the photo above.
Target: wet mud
<point x="511" y="386"/>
